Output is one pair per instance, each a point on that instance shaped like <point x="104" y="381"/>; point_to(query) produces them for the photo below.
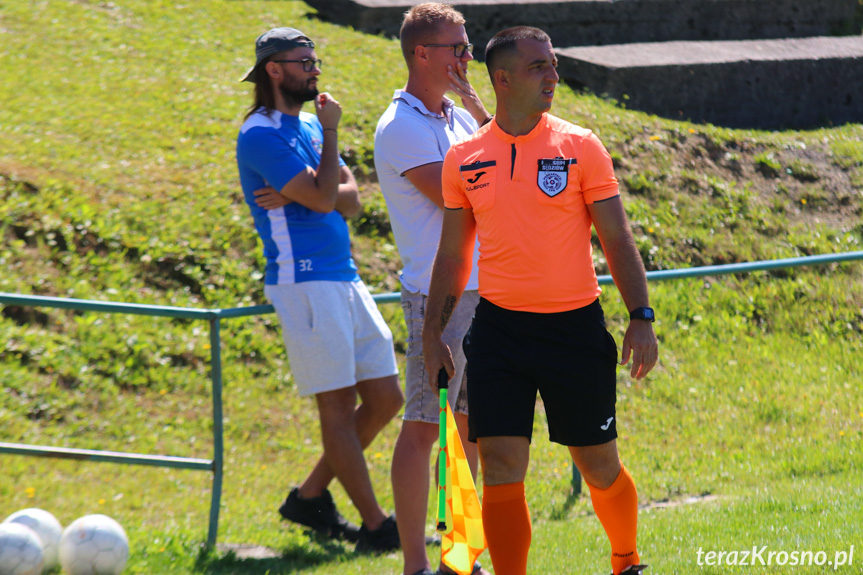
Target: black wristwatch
<point x="645" y="313"/>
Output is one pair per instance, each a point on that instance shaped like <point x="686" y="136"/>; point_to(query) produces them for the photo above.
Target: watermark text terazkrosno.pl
<point x="765" y="556"/>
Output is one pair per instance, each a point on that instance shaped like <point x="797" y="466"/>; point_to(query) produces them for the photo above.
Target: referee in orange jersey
<point x="529" y="186"/>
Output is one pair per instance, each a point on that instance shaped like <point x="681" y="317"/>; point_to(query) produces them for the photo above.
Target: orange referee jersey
<point x="529" y="195"/>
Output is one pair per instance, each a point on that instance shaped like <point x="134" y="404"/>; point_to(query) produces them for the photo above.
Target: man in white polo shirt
<point x="412" y="138"/>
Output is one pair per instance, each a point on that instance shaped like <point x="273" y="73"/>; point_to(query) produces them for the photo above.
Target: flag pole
<point x="443" y="385"/>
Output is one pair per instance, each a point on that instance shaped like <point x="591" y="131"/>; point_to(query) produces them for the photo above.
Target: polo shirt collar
<point x="416" y="104"/>
<point x="509" y="139"/>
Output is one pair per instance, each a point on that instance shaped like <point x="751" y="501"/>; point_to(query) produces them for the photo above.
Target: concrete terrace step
<point x="599" y="22"/>
<point x="770" y="84"/>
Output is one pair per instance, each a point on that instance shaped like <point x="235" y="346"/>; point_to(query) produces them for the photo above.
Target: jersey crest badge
<point x="552" y="176"/>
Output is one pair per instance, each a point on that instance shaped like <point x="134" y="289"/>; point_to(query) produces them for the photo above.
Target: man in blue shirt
<point x="298" y="190"/>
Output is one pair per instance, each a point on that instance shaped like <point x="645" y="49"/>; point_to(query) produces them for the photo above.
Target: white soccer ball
<point x="20" y="550"/>
<point x="46" y="527"/>
<point x="94" y="545"/>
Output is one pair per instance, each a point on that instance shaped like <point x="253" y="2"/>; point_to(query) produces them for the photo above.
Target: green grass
<point x="791" y="516"/>
<point x="118" y="182"/>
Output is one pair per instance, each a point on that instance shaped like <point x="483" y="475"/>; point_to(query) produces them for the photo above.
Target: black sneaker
<point x="634" y="570"/>
<point x="383" y="539"/>
<point x="320" y="514"/>
<point x="477" y="567"/>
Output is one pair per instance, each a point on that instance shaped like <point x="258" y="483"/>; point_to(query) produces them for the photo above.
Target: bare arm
<point x="427" y="179"/>
<point x="452" y="267"/>
<point x="627" y="270"/>
<point x="319" y="190"/>
<point x="348" y="199"/>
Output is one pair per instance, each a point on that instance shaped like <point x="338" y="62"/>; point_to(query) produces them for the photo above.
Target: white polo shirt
<point x="409" y="136"/>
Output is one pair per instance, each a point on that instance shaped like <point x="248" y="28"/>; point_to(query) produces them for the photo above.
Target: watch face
<point x="645" y="313"/>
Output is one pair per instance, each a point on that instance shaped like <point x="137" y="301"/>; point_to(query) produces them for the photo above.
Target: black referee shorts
<point x="569" y="357"/>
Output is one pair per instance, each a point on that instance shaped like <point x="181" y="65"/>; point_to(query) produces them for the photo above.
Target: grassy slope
<point x="118" y="183"/>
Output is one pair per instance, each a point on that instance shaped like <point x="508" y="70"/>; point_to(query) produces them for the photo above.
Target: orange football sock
<point x="617" y="510"/>
<point x="506" y="520"/>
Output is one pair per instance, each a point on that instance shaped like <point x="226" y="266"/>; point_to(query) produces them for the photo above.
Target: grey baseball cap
<point x="275" y="41"/>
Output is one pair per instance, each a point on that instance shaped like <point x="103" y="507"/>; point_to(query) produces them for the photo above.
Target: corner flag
<point x="464" y="538"/>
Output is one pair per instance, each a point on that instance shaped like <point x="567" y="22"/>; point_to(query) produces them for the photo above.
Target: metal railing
<point x="214" y="317"/>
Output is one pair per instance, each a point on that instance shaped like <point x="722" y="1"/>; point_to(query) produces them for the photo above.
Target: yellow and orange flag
<point x="464" y="538"/>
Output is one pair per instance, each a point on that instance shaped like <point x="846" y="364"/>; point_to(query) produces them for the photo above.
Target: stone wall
<point x="740" y="63"/>
<point x="595" y="23"/>
<point x="769" y="84"/>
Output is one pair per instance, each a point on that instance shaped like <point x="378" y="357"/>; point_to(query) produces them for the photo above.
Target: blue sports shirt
<point x="300" y="244"/>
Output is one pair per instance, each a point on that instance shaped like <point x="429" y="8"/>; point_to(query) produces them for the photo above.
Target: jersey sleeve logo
<point x="476" y="178"/>
<point x="552" y="175"/>
<point x="477" y="175"/>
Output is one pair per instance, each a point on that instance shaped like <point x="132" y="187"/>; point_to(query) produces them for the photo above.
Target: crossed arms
<point x="330" y="187"/>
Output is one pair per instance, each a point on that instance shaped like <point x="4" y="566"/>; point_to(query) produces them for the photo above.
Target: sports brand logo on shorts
<point x="552" y="176"/>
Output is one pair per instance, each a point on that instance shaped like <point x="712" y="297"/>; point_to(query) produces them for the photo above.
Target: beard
<point x="296" y="92"/>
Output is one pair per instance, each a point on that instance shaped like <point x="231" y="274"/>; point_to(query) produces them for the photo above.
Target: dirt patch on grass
<point x="247" y="551"/>
<point x="806" y="181"/>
